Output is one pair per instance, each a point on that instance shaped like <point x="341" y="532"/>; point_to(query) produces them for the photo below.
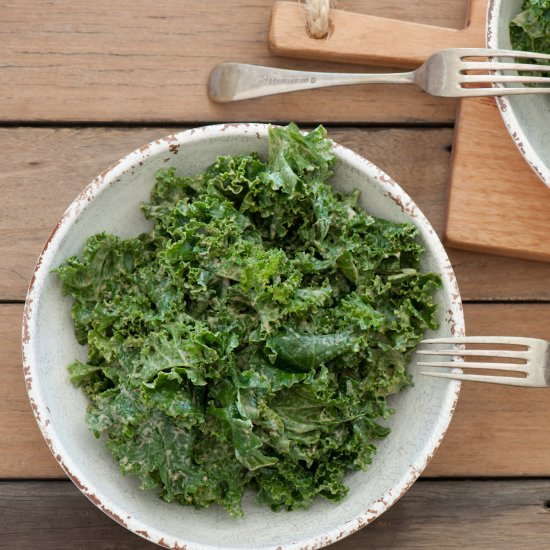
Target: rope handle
<point x="318" y="22"/>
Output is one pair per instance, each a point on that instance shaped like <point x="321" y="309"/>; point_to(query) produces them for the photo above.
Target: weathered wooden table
<point x="82" y="83"/>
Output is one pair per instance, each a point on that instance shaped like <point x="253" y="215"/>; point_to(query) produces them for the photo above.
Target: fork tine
<point x="510" y="367"/>
<point x="514" y="340"/>
<point x="518" y="54"/>
<point x="534" y="369"/>
<point x="488" y="52"/>
<point x="507" y="380"/>
<point x="482" y="92"/>
<point x="502" y="66"/>
<point x="466" y="78"/>
<point x="477" y="352"/>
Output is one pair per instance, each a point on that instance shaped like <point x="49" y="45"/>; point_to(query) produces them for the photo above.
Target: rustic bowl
<point x="110" y="203"/>
<point x="527" y="117"/>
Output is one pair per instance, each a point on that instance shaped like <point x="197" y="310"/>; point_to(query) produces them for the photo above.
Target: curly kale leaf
<point x="530" y="31"/>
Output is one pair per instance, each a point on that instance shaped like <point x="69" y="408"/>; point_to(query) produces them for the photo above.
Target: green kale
<point x="252" y="338"/>
<point x="530" y="31"/>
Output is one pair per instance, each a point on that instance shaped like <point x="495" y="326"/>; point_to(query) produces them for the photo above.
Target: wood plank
<point x="149" y="61"/>
<point x="486" y="277"/>
<point x="45" y="168"/>
<point x="23" y="452"/>
<point x="60" y="517"/>
<point x="432" y="515"/>
<point x="496" y="430"/>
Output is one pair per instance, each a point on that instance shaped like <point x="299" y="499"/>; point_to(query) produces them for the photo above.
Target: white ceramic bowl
<point x="110" y="203"/>
<point x="527" y="117"/>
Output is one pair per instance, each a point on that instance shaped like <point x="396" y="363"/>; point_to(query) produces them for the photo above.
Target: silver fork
<point x="442" y="74"/>
<point x="535" y="359"/>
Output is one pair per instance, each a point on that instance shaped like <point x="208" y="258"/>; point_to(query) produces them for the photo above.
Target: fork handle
<point x="236" y="81"/>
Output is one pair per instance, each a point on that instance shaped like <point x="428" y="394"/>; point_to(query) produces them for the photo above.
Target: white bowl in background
<point x="527" y="117"/>
<point x="110" y="203"/>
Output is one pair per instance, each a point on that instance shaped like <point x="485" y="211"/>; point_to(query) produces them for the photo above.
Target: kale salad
<point x="251" y="339"/>
<point x="530" y="30"/>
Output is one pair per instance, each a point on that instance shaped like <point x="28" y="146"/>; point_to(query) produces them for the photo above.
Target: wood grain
<point x="496" y="202"/>
<point x="495" y="430"/>
<point x="135" y="60"/>
<point x="432" y="515"/>
<point x="45" y="168"/>
<point x="23" y="452"/>
<point x="367" y="39"/>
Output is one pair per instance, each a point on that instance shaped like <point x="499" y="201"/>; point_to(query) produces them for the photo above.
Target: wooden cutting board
<point x="496" y="203"/>
<point x="367" y="39"/>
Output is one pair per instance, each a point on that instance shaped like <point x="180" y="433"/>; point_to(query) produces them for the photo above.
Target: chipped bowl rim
<point x="30" y="362"/>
